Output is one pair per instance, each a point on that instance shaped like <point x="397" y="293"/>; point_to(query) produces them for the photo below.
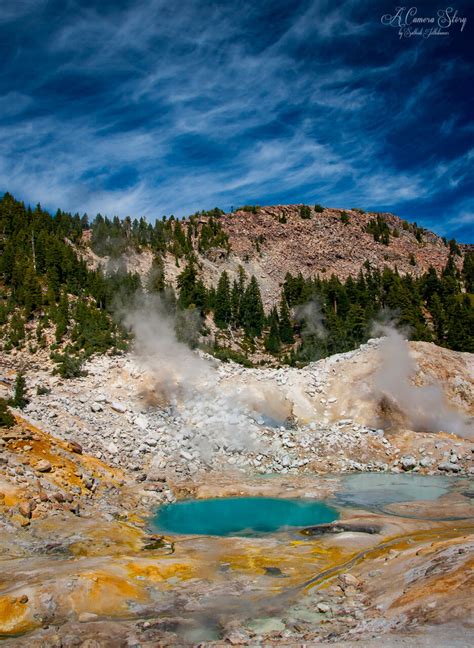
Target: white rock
<point x="408" y="463"/>
<point x="118" y="407"/>
<point x="426" y="462"/>
<point x="447" y="466"/>
<point x="141" y="422"/>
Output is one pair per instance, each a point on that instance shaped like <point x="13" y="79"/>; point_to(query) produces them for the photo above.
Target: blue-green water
<point x="240" y="515"/>
<point x="369" y="490"/>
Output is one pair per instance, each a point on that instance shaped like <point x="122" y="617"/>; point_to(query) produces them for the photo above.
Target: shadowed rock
<point x="340" y="527"/>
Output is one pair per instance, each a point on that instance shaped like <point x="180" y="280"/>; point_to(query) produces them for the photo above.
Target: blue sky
<point x="147" y="107"/>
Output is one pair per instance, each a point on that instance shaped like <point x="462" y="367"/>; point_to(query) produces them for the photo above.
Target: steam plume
<point x="311" y="316"/>
<point x="213" y="416"/>
<point x="424" y="408"/>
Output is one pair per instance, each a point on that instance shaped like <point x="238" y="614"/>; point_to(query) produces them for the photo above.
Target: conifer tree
<point x="156" y="277"/>
<point x="19" y="398"/>
<point x="17" y="329"/>
<point x="6" y="418"/>
<point x="62" y="317"/>
<point x="241" y="282"/>
<point x="222" y="307"/>
<point x="32" y="297"/>
<point x="468" y="271"/>
<point x="235" y="299"/>
<point x="68" y="365"/>
<point x="272" y="340"/>
<point x="200" y="297"/>
<point x="439" y="318"/>
<point x="186" y="283"/>
<point x="285" y="327"/>
<point x="253" y="316"/>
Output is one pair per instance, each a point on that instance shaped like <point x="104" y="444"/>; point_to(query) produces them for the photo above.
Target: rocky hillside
<point x="152" y="412"/>
<point x="284" y="284"/>
<point x="325" y="243"/>
<point x="269" y="242"/>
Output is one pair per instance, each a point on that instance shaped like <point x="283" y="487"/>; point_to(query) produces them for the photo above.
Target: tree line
<point x="45" y="282"/>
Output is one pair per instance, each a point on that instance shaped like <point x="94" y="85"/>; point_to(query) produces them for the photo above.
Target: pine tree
<point x="68" y="365"/>
<point x="19" y="399"/>
<point x="241" y="282"/>
<point x="62" y="317"/>
<point x="439" y="318"/>
<point x="235" y="299"/>
<point x="305" y="211"/>
<point x="222" y="307"/>
<point x="32" y="297"/>
<point x="460" y="326"/>
<point x="156" y="276"/>
<point x="272" y="340"/>
<point x="468" y="271"/>
<point x="186" y="283"/>
<point x="200" y="297"/>
<point x="6" y="419"/>
<point x="17" y="329"/>
<point x="356" y="324"/>
<point x="285" y="327"/>
<point x="253" y="316"/>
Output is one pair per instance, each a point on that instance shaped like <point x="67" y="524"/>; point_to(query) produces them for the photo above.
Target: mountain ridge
<point x="284" y="283"/>
<point x="270" y="241"/>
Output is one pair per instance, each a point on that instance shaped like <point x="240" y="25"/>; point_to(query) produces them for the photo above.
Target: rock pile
<point x="281" y="420"/>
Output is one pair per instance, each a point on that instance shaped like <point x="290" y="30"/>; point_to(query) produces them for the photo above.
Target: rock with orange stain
<point x="43" y="466"/>
<point x="160" y="571"/>
<point x="105" y="593"/>
<point x="25" y="508"/>
<point x="15" y="616"/>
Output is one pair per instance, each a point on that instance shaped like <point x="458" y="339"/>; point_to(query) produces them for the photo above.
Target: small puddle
<point x="245" y="516"/>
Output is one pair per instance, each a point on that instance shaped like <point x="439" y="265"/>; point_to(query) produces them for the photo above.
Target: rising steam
<point x="214" y="415"/>
<point x="310" y="314"/>
<point x="424" y="409"/>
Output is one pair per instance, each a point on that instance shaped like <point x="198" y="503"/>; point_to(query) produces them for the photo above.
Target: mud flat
<point x="89" y="462"/>
<point x="82" y="564"/>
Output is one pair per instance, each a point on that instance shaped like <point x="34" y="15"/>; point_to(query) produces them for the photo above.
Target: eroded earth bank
<point x="90" y="459"/>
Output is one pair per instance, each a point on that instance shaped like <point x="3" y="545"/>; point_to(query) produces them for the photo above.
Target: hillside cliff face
<point x="323" y="244"/>
<point x="269" y="242"/>
<point x="266" y="283"/>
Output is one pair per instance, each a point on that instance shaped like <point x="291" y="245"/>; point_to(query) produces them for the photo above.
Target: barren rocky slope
<point x="148" y="415"/>
<point x="323" y="244"/>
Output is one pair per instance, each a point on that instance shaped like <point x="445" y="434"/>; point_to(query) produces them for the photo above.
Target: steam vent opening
<point x="245" y="516"/>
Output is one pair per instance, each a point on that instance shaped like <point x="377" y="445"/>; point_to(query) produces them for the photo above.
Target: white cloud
<point x="278" y="125"/>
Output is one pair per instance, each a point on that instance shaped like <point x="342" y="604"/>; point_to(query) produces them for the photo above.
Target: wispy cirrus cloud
<point x="138" y="107"/>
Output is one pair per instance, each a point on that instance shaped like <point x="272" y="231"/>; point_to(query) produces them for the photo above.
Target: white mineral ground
<point x="88" y="463"/>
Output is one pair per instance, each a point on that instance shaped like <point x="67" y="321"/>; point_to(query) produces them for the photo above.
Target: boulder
<point x="447" y="466"/>
<point x="112" y="448"/>
<point x="409" y="462"/>
<point x="75" y="447"/>
<point x="85" y="617"/>
<point x="348" y="580"/>
<point x="118" y="407"/>
<point x="43" y="466"/>
<point x="25" y="508"/>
